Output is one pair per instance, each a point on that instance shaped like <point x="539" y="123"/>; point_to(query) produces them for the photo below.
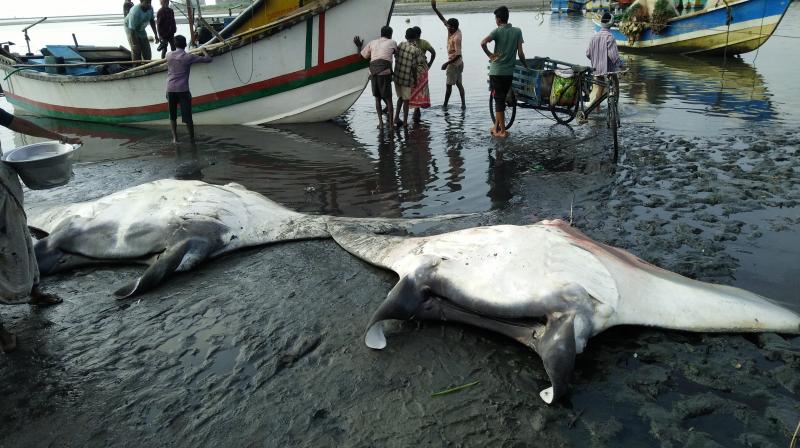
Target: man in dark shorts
<point x="380" y="53"/>
<point x="19" y="273"/>
<point x="179" y="63"/>
<point x="507" y="44"/>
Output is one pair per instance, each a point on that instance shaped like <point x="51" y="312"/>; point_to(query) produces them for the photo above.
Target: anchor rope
<point x="760" y="31"/>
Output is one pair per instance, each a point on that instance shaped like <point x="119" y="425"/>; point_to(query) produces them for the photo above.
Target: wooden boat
<point x="597" y="6"/>
<point x="294" y="64"/>
<point x="559" y="6"/>
<point x="739" y="27"/>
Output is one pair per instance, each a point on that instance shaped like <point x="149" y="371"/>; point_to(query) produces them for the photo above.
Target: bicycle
<point x="562" y="89"/>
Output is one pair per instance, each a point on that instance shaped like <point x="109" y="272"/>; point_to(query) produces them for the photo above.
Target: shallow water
<point x="264" y="346"/>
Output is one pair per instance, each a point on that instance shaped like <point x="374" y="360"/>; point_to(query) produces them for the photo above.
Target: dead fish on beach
<point x="174" y="225"/>
<point x="550" y="287"/>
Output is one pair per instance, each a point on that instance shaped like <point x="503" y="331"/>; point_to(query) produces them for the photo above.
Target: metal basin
<point x="42" y="165"/>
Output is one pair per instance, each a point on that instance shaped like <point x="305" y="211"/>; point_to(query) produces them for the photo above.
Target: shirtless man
<point x="454" y="65"/>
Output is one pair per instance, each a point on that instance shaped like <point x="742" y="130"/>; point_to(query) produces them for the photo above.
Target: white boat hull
<point x="307" y="72"/>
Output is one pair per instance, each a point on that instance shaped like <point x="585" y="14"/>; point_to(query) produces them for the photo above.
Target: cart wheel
<point x="511" y="103"/>
<point x="565" y="114"/>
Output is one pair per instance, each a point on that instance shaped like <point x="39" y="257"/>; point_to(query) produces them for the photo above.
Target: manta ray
<point x="548" y="286"/>
<point x="172" y="226"/>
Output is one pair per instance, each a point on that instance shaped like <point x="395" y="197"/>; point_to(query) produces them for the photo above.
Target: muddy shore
<point x="265" y="346"/>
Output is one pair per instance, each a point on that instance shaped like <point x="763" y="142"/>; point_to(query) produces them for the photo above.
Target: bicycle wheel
<point x="511" y="103"/>
<point x="565" y="114"/>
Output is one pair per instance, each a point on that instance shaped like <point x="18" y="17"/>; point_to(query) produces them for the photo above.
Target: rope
<point x="760" y="31"/>
<point x="728" y="22"/>
<point x="252" y="64"/>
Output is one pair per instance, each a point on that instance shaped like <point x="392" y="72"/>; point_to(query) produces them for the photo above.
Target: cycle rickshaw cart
<point x="562" y="89"/>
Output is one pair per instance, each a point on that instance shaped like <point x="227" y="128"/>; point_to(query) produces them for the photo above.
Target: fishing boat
<point x="280" y="61"/>
<point x="721" y="28"/>
<point x="561" y="6"/>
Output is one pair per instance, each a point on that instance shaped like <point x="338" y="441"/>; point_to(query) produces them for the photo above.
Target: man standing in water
<point x="19" y="273"/>
<point x="380" y="53"/>
<point x="603" y="54"/>
<point x="179" y="63"/>
<point x="507" y="44"/>
<point x="136" y="29"/>
<point x="408" y="64"/>
<point x="455" y="64"/>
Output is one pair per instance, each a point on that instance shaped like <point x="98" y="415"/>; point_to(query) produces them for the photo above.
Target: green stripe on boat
<point x="211" y="105"/>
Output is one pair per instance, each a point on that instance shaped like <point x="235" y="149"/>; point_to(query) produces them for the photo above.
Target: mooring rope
<point x="760" y="31"/>
<point x="728" y="22"/>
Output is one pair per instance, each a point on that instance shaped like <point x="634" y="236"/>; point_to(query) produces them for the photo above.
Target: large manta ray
<point x="548" y="286"/>
<point x="172" y="226"/>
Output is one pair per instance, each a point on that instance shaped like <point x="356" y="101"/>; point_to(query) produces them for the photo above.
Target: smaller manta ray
<point x="172" y="226"/>
<point x="550" y="287"/>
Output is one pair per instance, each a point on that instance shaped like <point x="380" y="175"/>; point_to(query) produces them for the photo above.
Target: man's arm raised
<point x="441" y="17"/>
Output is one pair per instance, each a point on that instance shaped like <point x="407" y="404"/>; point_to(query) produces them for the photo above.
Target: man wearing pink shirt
<point x="380" y="53"/>
<point x="178" y="64"/>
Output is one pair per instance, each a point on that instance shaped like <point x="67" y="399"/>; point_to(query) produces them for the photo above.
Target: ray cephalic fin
<point x="180" y="257"/>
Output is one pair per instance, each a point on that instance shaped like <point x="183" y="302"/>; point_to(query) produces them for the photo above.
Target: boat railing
<point x="215" y="48"/>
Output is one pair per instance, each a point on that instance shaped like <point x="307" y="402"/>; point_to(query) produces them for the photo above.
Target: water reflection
<point x="416" y="164"/>
<point x="721" y="88"/>
<point x="455" y="145"/>
<point x="499" y="173"/>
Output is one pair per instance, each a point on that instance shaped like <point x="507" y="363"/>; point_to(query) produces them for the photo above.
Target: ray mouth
<point x="522" y="329"/>
<point x="527" y="322"/>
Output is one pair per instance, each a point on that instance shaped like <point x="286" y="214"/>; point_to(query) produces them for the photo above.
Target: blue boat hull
<point x="742" y="27"/>
<point x="566" y="5"/>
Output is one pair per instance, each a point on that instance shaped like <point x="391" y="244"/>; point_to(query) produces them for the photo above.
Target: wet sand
<point x="265" y="346"/>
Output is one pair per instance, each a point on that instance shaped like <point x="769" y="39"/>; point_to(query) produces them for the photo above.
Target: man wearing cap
<point x="455" y="64"/>
<point x="603" y="54"/>
<point x="19" y="273"/>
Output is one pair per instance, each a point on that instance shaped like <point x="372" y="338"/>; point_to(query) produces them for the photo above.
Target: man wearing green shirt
<point x="507" y="44"/>
<point x="135" y="28"/>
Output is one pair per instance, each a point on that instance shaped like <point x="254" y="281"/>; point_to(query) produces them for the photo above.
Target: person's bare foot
<point x="8" y="341"/>
<point x="42" y="299"/>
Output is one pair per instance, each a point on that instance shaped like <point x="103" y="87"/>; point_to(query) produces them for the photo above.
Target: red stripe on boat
<point x="198" y="100"/>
